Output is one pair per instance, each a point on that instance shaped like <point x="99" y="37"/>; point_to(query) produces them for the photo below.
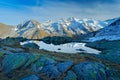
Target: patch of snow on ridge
<point x="109" y="38"/>
<point x="15" y="29"/>
<point x="65" y="48"/>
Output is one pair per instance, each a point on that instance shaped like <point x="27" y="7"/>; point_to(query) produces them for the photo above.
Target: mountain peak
<point x="71" y="27"/>
<point x="28" y="24"/>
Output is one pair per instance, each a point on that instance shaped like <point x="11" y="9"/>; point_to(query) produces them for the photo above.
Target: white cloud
<point x="56" y="11"/>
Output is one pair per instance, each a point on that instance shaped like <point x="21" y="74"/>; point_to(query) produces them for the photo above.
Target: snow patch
<point x="65" y="48"/>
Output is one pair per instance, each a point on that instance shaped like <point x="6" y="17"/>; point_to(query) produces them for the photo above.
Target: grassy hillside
<point x="6" y="30"/>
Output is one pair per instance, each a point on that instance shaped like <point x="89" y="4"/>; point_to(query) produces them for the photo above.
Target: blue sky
<point x="14" y="12"/>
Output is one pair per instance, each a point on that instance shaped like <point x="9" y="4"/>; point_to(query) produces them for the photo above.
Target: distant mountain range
<point x="71" y="27"/>
<point x="110" y="32"/>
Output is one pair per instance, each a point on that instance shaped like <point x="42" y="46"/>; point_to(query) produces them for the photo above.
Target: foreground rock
<point x="31" y="77"/>
<point x="70" y="76"/>
<point x="62" y="67"/>
<point x="93" y="71"/>
<point x="13" y="61"/>
<point x="110" y="50"/>
<point x="48" y="68"/>
<point x="19" y="63"/>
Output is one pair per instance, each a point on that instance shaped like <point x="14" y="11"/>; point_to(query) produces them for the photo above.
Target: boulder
<point x="70" y="76"/>
<point x="47" y="60"/>
<point x="31" y="58"/>
<point x="90" y="71"/>
<point x="50" y="71"/>
<point x="94" y="71"/>
<point x="13" y="61"/>
<point x="64" y="66"/>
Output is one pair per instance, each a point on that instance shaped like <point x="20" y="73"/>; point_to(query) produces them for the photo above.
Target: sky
<point x="14" y="12"/>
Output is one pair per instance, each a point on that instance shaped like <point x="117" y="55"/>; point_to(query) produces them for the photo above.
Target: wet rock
<point x="31" y="77"/>
<point x="62" y="67"/>
<point x="50" y="71"/>
<point x="70" y="76"/>
<point x="13" y="61"/>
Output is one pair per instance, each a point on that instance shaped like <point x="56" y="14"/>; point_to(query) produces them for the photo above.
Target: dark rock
<point x="59" y="48"/>
<point x="80" y="50"/>
<point x="31" y="45"/>
<point x="57" y="40"/>
<point x="47" y="60"/>
<point x="70" y="76"/>
<point x="50" y="71"/>
<point x="62" y="67"/>
<point x="90" y="71"/>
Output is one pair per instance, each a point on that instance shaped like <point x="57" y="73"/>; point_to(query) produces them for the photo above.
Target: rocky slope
<point x="110" y="32"/>
<point x="27" y="63"/>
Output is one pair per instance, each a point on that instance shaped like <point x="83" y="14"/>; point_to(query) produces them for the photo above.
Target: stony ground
<point x="27" y="63"/>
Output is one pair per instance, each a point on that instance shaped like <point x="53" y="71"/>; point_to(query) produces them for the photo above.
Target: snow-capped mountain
<point x="110" y="32"/>
<point x="30" y="29"/>
<point x="70" y="27"/>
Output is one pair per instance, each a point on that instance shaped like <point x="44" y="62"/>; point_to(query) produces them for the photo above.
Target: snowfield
<point x="65" y="48"/>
